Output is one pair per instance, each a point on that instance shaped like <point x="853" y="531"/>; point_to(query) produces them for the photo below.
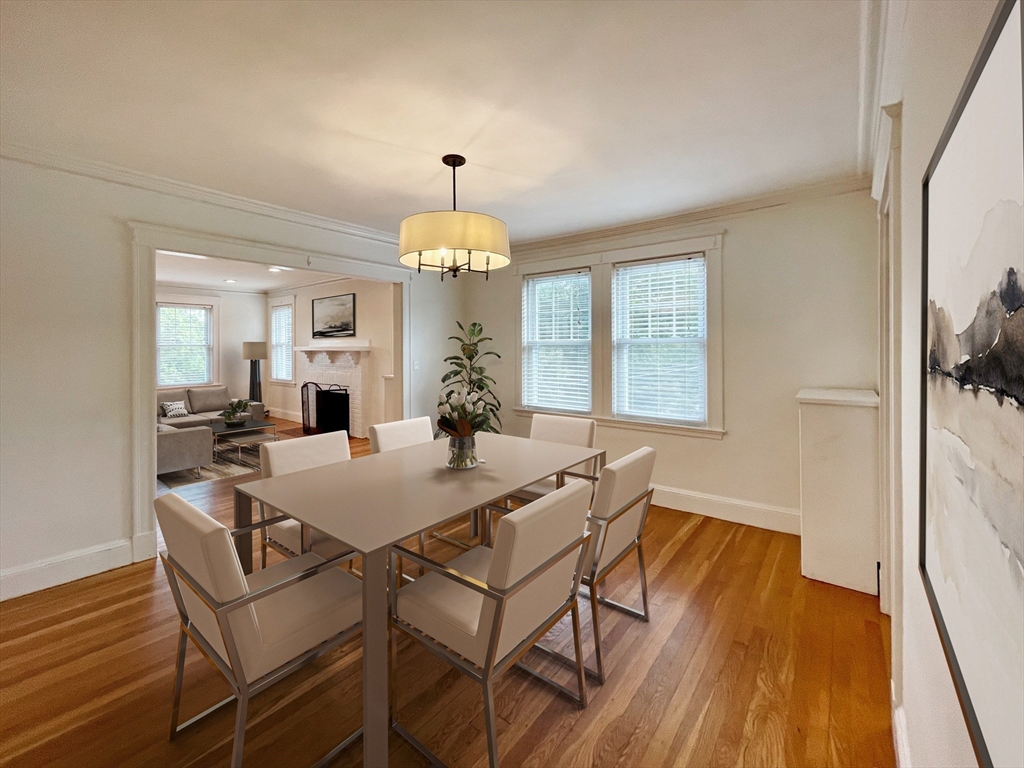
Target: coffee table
<point x="252" y="432"/>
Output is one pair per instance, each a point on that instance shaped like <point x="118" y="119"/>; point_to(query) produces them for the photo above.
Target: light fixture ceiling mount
<point x="453" y="241"/>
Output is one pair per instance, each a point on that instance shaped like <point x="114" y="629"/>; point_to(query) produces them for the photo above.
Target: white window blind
<point x="281" y="336"/>
<point x="659" y="339"/>
<point x="184" y="344"/>
<point x="556" y="342"/>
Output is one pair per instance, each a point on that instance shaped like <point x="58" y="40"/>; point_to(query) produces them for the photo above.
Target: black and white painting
<point x="972" y="441"/>
<point x="334" y="316"/>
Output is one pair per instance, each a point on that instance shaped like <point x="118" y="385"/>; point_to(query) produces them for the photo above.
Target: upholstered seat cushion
<point x="450" y="612"/>
<point x="192" y="420"/>
<point x="214" y="417"/>
<point x="204" y="399"/>
<point x="303" y="615"/>
<point x="289" y="534"/>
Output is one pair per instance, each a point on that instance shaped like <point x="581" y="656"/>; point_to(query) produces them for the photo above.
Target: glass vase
<point x="462" y="452"/>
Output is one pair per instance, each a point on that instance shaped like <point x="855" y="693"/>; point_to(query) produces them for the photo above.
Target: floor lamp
<point x="254" y="351"/>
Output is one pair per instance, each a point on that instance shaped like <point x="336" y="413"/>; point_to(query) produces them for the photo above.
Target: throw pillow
<point x="175" y="409"/>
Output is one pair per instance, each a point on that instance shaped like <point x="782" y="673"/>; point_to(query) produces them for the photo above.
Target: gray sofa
<point x="185" y="448"/>
<point x="204" y="405"/>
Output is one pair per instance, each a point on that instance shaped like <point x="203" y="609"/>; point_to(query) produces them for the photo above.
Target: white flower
<point x="473" y="397"/>
<point x="459" y="399"/>
<point x="444" y="408"/>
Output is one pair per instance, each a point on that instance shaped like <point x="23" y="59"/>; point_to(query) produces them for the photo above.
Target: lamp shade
<point x="254" y="350"/>
<point x="445" y="239"/>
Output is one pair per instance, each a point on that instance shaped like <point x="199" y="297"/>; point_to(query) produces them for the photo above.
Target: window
<point x="184" y="344"/>
<point x="556" y="342"/>
<point x="659" y="336"/>
<point x="281" y="336"/>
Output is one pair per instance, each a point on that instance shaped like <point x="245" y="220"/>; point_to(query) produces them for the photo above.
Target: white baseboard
<point x="280" y="413"/>
<point x="899" y="737"/>
<point x="144" y="546"/>
<point x="780" y="519"/>
<point x="60" y="569"/>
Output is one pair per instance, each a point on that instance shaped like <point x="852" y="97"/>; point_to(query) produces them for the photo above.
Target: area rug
<point x="226" y="464"/>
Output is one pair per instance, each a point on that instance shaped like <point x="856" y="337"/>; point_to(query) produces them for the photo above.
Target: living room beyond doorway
<point x="235" y="341"/>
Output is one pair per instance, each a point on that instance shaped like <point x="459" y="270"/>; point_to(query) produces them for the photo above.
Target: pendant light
<point x="453" y="241"/>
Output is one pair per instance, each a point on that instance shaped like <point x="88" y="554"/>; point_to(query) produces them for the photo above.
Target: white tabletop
<point x="378" y="500"/>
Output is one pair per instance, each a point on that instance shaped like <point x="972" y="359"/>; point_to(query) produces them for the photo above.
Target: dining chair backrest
<point x="567" y="430"/>
<point x="526" y="539"/>
<point x="399" y="434"/>
<point x="203" y="549"/>
<point x="285" y="456"/>
<point x="620" y="482"/>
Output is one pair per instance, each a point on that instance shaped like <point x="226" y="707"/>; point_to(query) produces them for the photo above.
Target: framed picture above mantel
<point x="971" y="534"/>
<point x="334" y="316"/>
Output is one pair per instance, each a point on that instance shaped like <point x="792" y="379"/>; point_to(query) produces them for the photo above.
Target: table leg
<point x="243" y="517"/>
<point x="375" y="659"/>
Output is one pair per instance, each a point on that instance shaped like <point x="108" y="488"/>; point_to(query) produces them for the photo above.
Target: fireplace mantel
<point x="353" y="347"/>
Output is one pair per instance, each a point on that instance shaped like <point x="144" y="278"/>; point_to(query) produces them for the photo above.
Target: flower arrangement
<point x="466" y="404"/>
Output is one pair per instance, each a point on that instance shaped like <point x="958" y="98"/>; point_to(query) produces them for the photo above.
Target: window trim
<point x="601" y="265"/>
<point x="272" y="304"/>
<point x="520" y="343"/>
<point x="196" y="300"/>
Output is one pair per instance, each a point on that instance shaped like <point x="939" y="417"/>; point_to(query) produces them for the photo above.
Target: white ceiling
<point x="177" y="270"/>
<point x="573" y="115"/>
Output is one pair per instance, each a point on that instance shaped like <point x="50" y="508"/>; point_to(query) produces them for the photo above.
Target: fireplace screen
<point x="324" y="409"/>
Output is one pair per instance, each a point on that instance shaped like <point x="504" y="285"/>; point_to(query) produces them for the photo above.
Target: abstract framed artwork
<point x="971" y="554"/>
<point x="334" y="316"/>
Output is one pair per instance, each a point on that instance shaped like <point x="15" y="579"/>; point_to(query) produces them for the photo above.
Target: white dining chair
<point x="566" y="430"/>
<point x="482" y="611"/>
<point x="254" y="629"/>
<point x="286" y="456"/>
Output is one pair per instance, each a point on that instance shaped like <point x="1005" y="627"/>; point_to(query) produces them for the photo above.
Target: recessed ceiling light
<point x="274" y="269"/>
<point x="230" y="281"/>
<point x="183" y="255"/>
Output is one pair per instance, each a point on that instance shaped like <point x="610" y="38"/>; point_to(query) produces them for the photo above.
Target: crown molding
<point x="612" y="237"/>
<point x="115" y="174"/>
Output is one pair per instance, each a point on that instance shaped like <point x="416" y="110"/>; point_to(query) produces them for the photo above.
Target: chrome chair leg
<point x="240" y="711"/>
<point x="491" y="723"/>
<point x="643" y="580"/>
<point x="597" y="633"/>
<point x="179" y="674"/>
<point x="577" y="640"/>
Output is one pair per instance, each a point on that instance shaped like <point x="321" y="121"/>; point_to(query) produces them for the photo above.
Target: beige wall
<point x="66" y="266"/>
<point x="799" y="310"/>
<point x="942" y="39"/>
<point x="375" y="320"/>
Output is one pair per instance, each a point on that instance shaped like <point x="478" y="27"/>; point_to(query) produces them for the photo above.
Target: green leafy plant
<point x="466" y="404"/>
<point x="235" y="410"/>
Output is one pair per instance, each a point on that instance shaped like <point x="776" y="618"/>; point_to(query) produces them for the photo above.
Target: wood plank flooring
<point x="744" y="663"/>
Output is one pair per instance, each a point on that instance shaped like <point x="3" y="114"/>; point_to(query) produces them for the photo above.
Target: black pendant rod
<point x="453" y="161"/>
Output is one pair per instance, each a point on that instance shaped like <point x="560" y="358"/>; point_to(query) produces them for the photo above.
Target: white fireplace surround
<point x="338" y="361"/>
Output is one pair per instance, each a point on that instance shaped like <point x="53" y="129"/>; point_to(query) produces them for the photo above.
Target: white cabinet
<point x="839" y="496"/>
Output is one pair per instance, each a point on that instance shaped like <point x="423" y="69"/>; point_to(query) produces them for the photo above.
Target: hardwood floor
<point x="744" y="663"/>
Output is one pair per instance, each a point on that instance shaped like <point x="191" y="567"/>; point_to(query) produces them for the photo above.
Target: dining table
<point x="375" y="501"/>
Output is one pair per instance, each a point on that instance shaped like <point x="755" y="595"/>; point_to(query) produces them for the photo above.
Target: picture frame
<point x="972" y="392"/>
<point x="334" y="316"/>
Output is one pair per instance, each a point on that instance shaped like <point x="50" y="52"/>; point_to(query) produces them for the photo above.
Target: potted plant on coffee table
<point x="235" y="416"/>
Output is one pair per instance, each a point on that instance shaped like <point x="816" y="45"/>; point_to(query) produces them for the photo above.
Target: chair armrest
<point x="580" y="543"/>
<point x="449" y="573"/>
<point x="295" y="578"/>
<point x="218" y="607"/>
<point x="259" y="524"/>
